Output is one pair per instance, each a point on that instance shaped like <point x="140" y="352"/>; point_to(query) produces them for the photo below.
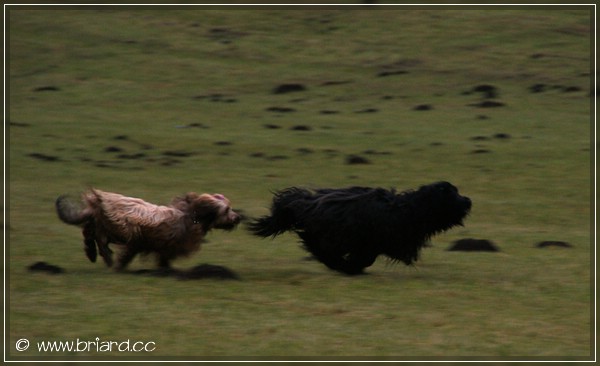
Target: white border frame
<point x="594" y="281"/>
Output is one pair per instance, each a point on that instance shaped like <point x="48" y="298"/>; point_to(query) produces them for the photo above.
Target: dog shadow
<point x="199" y="272"/>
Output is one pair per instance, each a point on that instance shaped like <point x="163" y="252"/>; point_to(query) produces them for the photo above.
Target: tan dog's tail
<point x="75" y="213"/>
<point x="72" y="212"/>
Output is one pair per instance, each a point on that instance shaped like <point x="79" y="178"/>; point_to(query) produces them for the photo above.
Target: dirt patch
<point x="551" y="243"/>
<point x="131" y="156"/>
<point x="304" y="150"/>
<point x="375" y="152"/>
<point x="44" y="157"/>
<point x="538" y="88"/>
<point x="48" y="88"/>
<point x="474" y="245"/>
<point x="383" y="74"/>
<point x="335" y="82"/>
<point x="19" y="124"/>
<point x="301" y="128"/>
<point x="356" y="160"/>
<point x="192" y="125"/>
<point x="423" y="107"/>
<point x="288" y="88"/>
<point x="541" y="88"/>
<point x="223" y="143"/>
<point x="368" y="110"/>
<point x="502" y="136"/>
<point x="224" y="35"/>
<point x="281" y="109"/>
<point x="270" y="126"/>
<point x="112" y="149"/>
<point x="488" y="104"/>
<point x="216" y="98"/>
<point x="277" y="157"/>
<point x="487" y="91"/>
<point x="481" y="151"/>
<point x="177" y="153"/>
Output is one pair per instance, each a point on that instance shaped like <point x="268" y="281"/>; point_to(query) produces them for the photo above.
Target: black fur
<point x="348" y="228"/>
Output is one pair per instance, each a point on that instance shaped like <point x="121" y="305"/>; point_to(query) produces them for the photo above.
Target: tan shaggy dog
<point x="142" y="227"/>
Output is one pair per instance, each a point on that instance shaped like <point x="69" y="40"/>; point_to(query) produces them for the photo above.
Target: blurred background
<point x="153" y="102"/>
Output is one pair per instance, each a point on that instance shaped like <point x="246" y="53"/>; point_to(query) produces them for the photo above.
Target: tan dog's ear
<point x="190" y="197"/>
<point x="183" y="203"/>
<point x="220" y="197"/>
<point x="204" y="210"/>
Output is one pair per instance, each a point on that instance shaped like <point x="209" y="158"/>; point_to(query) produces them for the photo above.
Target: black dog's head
<point x="443" y="205"/>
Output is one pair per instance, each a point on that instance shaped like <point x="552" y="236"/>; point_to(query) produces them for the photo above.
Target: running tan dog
<point x="142" y="227"/>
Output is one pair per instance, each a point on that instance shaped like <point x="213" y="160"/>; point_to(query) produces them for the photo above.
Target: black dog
<point x="346" y="229"/>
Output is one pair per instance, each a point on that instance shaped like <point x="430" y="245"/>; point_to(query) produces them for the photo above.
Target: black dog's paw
<point x="45" y="267"/>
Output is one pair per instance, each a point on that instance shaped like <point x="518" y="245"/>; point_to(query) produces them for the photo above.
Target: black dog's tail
<point x="286" y="211"/>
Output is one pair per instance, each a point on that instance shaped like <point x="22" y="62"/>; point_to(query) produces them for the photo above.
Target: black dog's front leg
<point x="337" y="256"/>
<point x="355" y="262"/>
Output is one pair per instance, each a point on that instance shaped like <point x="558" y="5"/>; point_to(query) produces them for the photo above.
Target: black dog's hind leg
<point x="352" y="263"/>
<point x="339" y="264"/>
<point x="337" y="257"/>
<point x="355" y="262"/>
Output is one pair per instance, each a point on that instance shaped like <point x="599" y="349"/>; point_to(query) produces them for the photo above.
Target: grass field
<point x="154" y="103"/>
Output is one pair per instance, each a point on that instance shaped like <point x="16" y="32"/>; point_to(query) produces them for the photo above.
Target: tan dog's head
<point x="213" y="211"/>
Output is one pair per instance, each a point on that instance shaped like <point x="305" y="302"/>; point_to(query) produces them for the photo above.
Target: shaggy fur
<point x="347" y="229"/>
<point x="142" y="227"/>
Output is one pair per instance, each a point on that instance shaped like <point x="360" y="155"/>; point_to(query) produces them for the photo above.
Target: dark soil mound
<point x="561" y="244"/>
<point x="473" y="245"/>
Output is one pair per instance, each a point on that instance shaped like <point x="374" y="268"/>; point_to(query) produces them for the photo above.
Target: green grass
<point x="150" y="74"/>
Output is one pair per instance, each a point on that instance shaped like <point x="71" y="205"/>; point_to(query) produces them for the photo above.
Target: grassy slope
<point x="146" y="74"/>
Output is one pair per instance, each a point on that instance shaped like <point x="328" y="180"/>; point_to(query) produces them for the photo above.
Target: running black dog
<point x="348" y="228"/>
